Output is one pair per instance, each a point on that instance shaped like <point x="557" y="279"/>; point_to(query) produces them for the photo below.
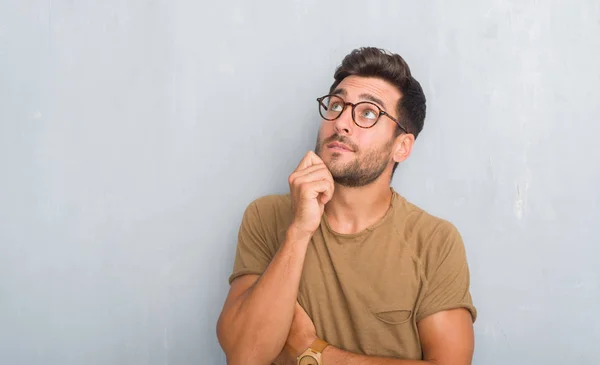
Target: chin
<point x="336" y="164"/>
<point x="340" y="157"/>
<point x="329" y="158"/>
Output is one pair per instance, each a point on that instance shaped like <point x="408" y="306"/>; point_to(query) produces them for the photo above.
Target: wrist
<point x="300" y="346"/>
<point x="314" y="353"/>
<point x="297" y="234"/>
<point x="326" y="354"/>
<point x="307" y="343"/>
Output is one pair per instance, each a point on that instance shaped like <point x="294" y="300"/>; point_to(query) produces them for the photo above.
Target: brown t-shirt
<point x="365" y="292"/>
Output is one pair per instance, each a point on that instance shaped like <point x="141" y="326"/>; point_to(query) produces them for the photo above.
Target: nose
<point x="344" y="123"/>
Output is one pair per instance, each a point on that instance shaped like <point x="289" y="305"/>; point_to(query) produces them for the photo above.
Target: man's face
<point x="358" y="156"/>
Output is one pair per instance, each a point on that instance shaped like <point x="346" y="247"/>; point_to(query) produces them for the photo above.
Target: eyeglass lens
<point x="365" y="114"/>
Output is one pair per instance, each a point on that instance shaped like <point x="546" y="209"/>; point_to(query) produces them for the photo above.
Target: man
<point x="343" y="270"/>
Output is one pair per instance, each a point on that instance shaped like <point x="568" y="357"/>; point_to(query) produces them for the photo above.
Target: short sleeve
<point x="447" y="277"/>
<point x="253" y="253"/>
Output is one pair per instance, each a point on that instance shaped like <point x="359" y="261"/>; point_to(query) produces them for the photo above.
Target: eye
<point x="369" y="114"/>
<point x="336" y="107"/>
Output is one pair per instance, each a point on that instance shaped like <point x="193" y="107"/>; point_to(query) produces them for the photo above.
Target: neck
<point x="352" y="210"/>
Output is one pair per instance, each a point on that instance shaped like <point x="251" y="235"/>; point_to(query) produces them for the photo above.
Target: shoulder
<point x="272" y="213"/>
<point x="427" y="234"/>
<point x="273" y="200"/>
<point x="270" y="206"/>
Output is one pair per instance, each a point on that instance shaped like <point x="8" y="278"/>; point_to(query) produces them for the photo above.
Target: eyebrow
<point x="364" y="96"/>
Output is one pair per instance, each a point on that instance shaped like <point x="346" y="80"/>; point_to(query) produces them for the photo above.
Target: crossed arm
<point x="446" y="338"/>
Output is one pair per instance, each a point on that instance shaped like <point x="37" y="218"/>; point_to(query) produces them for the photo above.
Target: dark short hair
<point x="390" y="67"/>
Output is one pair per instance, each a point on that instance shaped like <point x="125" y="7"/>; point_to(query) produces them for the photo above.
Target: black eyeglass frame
<point x="346" y="103"/>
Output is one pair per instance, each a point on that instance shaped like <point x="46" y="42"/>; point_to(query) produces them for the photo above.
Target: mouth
<point x="339" y="147"/>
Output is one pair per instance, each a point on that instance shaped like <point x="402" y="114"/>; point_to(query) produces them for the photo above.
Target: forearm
<point x="334" y="356"/>
<point x="259" y="322"/>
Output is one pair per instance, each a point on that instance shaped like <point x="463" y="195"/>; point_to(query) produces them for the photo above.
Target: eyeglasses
<point x="365" y="114"/>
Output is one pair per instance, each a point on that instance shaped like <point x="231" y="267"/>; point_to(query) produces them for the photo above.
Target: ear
<point x="403" y="145"/>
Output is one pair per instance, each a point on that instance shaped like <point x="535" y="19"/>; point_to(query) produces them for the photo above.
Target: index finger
<point x="309" y="160"/>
